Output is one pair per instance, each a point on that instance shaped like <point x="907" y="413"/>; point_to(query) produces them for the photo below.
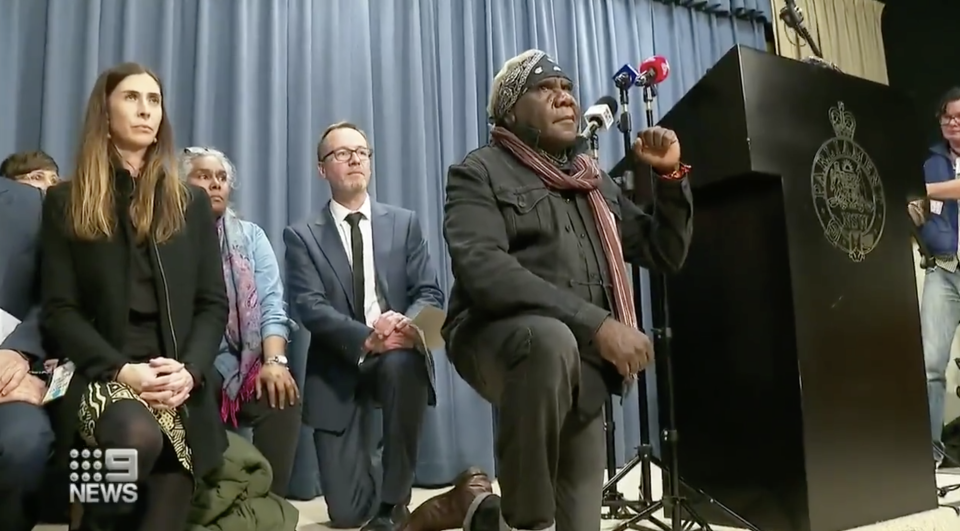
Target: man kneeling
<point x="541" y="320"/>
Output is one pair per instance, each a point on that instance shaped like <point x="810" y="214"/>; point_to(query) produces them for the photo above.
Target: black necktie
<point x="356" y="245"/>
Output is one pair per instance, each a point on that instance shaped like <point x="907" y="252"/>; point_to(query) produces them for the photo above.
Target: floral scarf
<point x="243" y="324"/>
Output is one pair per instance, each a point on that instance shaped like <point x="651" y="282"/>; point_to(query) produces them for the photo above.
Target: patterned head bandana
<point x="517" y="76"/>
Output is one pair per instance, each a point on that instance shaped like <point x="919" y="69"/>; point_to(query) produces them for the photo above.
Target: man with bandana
<point x="541" y="320"/>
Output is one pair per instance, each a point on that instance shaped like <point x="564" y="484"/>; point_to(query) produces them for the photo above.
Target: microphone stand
<point x="673" y="503"/>
<point x="613" y="500"/>
<point x="792" y="17"/>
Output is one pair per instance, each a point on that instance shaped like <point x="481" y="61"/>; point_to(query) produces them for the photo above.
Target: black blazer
<point x="85" y="293"/>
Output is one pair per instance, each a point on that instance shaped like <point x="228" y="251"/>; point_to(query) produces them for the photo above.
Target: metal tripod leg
<point x="617" y="507"/>
<point x="675" y="509"/>
<point x="644" y="515"/>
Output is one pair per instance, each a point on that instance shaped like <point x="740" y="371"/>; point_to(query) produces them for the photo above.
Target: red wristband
<point x="677" y="174"/>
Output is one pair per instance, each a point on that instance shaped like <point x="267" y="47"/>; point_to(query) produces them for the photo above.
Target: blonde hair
<point x="158" y="208"/>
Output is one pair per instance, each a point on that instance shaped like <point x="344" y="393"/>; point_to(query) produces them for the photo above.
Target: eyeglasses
<point x="949" y="120"/>
<point x="345" y="154"/>
<point x="38" y="176"/>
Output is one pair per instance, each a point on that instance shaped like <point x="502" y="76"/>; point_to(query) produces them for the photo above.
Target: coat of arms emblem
<point x="847" y="190"/>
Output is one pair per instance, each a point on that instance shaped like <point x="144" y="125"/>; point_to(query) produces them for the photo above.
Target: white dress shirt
<point x="371" y="310"/>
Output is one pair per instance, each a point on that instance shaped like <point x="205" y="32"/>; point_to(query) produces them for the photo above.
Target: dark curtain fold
<point x="920" y="44"/>
<point x="757" y="10"/>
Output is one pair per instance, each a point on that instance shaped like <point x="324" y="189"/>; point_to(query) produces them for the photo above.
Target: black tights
<point x="165" y="494"/>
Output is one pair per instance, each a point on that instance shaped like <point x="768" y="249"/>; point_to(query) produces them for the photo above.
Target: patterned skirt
<point x="100" y="395"/>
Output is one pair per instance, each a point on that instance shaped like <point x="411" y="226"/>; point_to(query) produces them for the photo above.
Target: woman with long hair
<point x="133" y="295"/>
<point x="257" y="389"/>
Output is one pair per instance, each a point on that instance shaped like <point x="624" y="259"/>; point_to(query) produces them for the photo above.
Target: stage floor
<point x="313" y="514"/>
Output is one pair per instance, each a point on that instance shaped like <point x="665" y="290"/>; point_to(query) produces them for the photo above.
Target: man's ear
<point x="320" y="170"/>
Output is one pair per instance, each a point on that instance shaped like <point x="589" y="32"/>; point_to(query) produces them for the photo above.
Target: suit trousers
<point x="551" y="458"/>
<point x="25" y="443"/>
<point x="359" y="469"/>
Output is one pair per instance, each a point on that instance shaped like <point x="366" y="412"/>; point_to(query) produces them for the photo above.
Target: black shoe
<point x="400" y="514"/>
<point x="486" y="517"/>
<point x="382" y="523"/>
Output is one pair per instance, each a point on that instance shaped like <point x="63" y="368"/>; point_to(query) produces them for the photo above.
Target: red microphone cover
<point x="660" y="67"/>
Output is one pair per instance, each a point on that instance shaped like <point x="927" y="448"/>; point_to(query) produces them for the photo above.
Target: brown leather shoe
<point x="448" y="510"/>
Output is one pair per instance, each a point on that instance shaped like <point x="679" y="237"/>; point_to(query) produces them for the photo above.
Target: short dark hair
<point x="24" y="162"/>
<point x="334" y="127"/>
<point x="950" y="96"/>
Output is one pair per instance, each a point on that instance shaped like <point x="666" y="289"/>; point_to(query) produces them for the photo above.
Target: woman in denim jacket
<point x="257" y="389"/>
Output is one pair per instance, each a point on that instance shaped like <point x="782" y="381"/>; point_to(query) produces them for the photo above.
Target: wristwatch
<point x="277" y="360"/>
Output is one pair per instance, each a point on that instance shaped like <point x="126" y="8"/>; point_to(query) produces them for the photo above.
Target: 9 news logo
<point x="103" y="476"/>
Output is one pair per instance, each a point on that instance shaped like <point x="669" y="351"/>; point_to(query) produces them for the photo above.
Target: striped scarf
<point x="586" y="178"/>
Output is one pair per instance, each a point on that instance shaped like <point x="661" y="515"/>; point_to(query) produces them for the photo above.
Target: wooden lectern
<point x="799" y="377"/>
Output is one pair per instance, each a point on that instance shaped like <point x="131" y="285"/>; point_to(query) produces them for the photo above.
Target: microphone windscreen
<point x="660" y="67"/>
<point x="610" y="102"/>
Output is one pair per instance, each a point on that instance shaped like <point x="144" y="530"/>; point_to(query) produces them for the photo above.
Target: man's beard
<point x="354" y="184"/>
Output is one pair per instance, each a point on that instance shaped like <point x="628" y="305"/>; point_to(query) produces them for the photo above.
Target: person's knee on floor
<point x="349" y="514"/>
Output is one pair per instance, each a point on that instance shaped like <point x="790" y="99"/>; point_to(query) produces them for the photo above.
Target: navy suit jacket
<point x="21" y="209"/>
<point x="319" y="283"/>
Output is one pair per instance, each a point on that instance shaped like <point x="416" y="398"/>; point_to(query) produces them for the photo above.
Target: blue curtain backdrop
<point x="262" y="79"/>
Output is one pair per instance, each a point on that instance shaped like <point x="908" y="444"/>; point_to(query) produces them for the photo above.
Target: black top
<point x="143" y="340"/>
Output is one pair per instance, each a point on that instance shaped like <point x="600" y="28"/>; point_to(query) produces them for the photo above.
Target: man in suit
<point x="25" y="432"/>
<point x="356" y="277"/>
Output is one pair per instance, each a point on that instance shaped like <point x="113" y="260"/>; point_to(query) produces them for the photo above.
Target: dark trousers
<point x="275" y="434"/>
<point x="25" y="441"/>
<point x="356" y="470"/>
<point x="551" y="459"/>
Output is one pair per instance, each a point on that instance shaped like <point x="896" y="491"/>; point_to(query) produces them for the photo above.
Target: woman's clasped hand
<point x="162" y="383"/>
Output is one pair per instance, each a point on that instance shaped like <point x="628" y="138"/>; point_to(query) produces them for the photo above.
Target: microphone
<point x="626" y="77"/>
<point x="653" y="71"/>
<point x="599" y="115"/>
